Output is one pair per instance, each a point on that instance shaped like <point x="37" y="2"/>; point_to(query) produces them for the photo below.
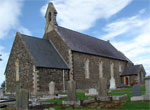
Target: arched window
<point x="112" y="69"/>
<point x="120" y="68"/>
<point x="101" y="69"/>
<point x="49" y="16"/>
<point x="87" y="73"/>
<point x="17" y="69"/>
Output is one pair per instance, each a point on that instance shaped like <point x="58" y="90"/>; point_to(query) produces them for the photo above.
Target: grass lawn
<point x="136" y="106"/>
<point x="127" y="106"/>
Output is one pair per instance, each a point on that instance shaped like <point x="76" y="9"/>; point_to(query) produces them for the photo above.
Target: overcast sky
<point x="126" y="23"/>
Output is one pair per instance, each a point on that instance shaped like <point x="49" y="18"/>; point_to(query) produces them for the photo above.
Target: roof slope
<point x="133" y="70"/>
<point x="44" y="53"/>
<point x="87" y="44"/>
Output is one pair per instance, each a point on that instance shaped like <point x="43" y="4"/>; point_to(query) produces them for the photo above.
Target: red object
<point x="127" y="81"/>
<point x="133" y="83"/>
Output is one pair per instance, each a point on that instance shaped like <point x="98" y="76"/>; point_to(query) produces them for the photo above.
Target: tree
<point x="3" y="84"/>
<point x="0" y="58"/>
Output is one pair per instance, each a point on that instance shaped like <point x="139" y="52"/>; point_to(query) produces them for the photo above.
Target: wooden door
<point x="127" y="81"/>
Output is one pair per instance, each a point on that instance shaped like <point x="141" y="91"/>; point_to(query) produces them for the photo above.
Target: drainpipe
<point x="64" y="81"/>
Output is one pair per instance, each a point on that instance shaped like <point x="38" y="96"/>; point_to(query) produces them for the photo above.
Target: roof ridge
<point x="58" y="52"/>
<point x="33" y="37"/>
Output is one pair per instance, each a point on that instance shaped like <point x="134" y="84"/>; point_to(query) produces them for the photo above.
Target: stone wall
<point x="79" y="70"/>
<point x="59" y="43"/>
<point x="45" y="76"/>
<point x="62" y="47"/>
<point x="20" y="52"/>
<point x="132" y="78"/>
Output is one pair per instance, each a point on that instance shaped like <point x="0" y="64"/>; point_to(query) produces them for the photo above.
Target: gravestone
<point x="51" y="88"/>
<point x="18" y="87"/>
<point x="71" y="90"/>
<point x="136" y="90"/>
<point x="103" y="98"/>
<point x="147" y="86"/>
<point x="1" y="93"/>
<point x="71" y="102"/>
<point x="22" y="97"/>
<point x="88" y="101"/>
<point x="92" y="92"/>
<point x="102" y="89"/>
<point x="118" y="98"/>
<point x="112" y="83"/>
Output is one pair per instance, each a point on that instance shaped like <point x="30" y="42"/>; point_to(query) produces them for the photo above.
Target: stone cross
<point x="1" y="93"/>
<point x="112" y="80"/>
<point x="22" y="98"/>
<point x="71" y="90"/>
<point x="136" y="90"/>
<point x="102" y="89"/>
<point x="52" y="88"/>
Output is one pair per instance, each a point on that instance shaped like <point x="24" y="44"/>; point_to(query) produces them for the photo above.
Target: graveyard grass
<point x="127" y="106"/>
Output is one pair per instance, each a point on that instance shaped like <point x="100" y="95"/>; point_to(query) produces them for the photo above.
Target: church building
<point x="62" y="55"/>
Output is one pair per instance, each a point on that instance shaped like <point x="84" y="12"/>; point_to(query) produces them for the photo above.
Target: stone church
<point x="62" y="55"/>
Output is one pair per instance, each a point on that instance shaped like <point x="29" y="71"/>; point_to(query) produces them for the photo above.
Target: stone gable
<point x="20" y="52"/>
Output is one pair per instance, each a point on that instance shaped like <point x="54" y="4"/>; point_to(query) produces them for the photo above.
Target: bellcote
<point x="50" y="16"/>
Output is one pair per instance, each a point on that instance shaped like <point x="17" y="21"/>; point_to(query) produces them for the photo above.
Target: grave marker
<point x="52" y="88"/>
<point x="1" y="93"/>
<point x="92" y="92"/>
<point x="71" y="90"/>
<point x="136" y="90"/>
<point x="22" y="97"/>
<point x="102" y="90"/>
<point x="147" y="86"/>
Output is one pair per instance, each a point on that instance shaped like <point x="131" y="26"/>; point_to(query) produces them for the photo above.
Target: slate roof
<point x="44" y="53"/>
<point x="83" y="43"/>
<point x="132" y="70"/>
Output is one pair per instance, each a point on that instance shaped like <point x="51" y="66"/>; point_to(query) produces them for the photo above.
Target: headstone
<point x="92" y="92"/>
<point x="137" y="98"/>
<point x="102" y="90"/>
<point x="118" y="98"/>
<point x="22" y="98"/>
<point x="51" y="88"/>
<point x="136" y="90"/>
<point x="1" y="93"/>
<point x="103" y="98"/>
<point x="18" y="87"/>
<point x="147" y="86"/>
<point x="71" y="103"/>
<point x="60" y="96"/>
<point x="112" y="83"/>
<point x="88" y="101"/>
<point x="71" y="90"/>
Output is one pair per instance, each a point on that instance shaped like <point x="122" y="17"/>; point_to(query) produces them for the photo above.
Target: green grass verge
<point x="136" y="106"/>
